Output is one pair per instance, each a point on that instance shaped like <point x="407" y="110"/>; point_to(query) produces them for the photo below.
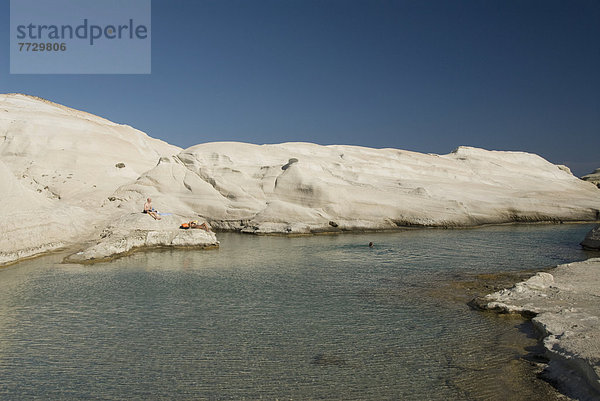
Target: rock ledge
<point x="138" y="231"/>
<point x="565" y="307"/>
<point x="592" y="239"/>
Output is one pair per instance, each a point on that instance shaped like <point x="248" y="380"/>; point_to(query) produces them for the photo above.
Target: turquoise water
<point x="320" y="317"/>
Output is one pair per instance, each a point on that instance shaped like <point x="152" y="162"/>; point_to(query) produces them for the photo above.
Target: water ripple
<point x="322" y="317"/>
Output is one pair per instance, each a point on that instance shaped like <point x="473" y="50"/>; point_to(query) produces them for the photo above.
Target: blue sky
<point x="418" y="75"/>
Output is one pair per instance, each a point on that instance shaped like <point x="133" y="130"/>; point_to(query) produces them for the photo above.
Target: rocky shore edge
<point x="137" y="231"/>
<point x="564" y="306"/>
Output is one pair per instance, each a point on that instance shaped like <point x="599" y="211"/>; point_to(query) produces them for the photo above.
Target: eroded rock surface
<point x="566" y="306"/>
<point x="594" y="177"/>
<point x="137" y="230"/>
<point x="66" y="176"/>
<point x="592" y="239"/>
<point x="302" y="187"/>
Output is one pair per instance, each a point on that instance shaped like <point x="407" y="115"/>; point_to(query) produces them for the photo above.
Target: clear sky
<point x="418" y="75"/>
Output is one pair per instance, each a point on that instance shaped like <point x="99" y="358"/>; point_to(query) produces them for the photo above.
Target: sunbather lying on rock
<point x="194" y="224"/>
<point x="148" y="209"/>
<point x="204" y="226"/>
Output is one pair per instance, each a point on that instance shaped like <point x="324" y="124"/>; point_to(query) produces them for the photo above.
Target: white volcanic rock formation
<point x="136" y="230"/>
<point x="592" y="239"/>
<point x="303" y="187"/>
<point x="565" y="304"/>
<point x="57" y="166"/>
<point x="594" y="177"/>
<point x="66" y="175"/>
<point x="70" y="154"/>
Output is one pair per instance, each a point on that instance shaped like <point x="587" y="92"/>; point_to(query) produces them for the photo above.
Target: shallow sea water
<point x="318" y="317"/>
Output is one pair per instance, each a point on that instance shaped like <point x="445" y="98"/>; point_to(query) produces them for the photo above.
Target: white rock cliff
<point x="67" y="175"/>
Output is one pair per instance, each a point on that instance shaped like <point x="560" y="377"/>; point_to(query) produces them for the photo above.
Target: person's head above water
<point x="370" y="245"/>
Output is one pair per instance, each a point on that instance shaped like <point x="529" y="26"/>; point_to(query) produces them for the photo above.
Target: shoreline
<point x="217" y="231"/>
<point x="137" y="249"/>
<point x="531" y="360"/>
<point x="80" y="245"/>
<point x="566" y="316"/>
<point x="391" y="229"/>
<point x="412" y="227"/>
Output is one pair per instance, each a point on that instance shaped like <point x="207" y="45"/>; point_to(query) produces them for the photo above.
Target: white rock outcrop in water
<point x="566" y="305"/>
<point x="66" y="175"/>
<point x="136" y="230"/>
<point x="592" y="239"/>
